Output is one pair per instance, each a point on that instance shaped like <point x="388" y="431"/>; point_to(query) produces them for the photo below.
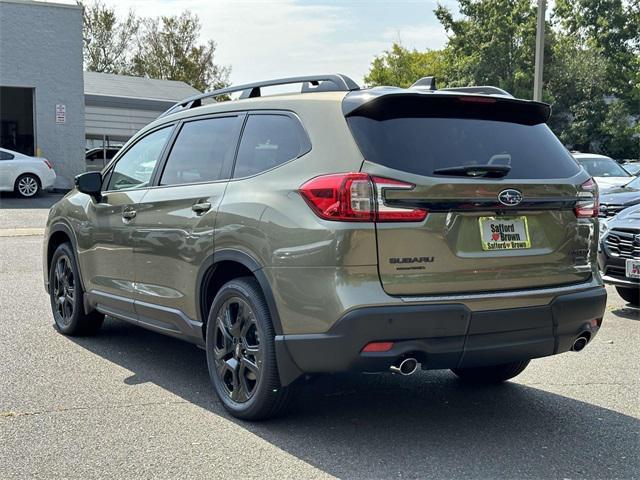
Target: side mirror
<point x="90" y="183"/>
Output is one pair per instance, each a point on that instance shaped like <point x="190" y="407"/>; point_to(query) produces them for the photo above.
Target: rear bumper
<point x="48" y="178"/>
<point x="443" y="336"/>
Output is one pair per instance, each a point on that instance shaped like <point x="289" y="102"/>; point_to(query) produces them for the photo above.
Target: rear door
<point x="499" y="188"/>
<point x="175" y="221"/>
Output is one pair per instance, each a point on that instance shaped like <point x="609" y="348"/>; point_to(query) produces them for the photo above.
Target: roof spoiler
<point x="310" y="83"/>
<point x="397" y="103"/>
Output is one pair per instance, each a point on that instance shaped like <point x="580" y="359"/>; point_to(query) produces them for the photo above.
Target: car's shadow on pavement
<point x="428" y="425"/>
<point x="628" y="312"/>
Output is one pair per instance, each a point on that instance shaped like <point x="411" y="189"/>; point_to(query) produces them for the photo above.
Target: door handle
<point x="129" y="214"/>
<point x="201" y="208"/>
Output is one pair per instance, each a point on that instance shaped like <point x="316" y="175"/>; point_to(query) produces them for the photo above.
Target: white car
<point x="24" y="175"/>
<point x="605" y="171"/>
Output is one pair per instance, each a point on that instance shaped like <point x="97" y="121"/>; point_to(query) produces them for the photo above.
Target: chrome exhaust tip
<point x="579" y="343"/>
<point x="408" y="366"/>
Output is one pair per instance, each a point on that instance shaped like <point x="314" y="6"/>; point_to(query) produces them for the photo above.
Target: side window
<point x="268" y="141"/>
<point x="135" y="167"/>
<point x="201" y="151"/>
<point x="6" y="156"/>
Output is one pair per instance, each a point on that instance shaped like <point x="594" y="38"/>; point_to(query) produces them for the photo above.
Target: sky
<point x="278" y="38"/>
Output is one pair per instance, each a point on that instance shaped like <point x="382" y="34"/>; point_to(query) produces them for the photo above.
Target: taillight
<point x="346" y="197"/>
<point x="387" y="213"/>
<point x="588" y="204"/>
<point x="48" y="164"/>
<point x="357" y="197"/>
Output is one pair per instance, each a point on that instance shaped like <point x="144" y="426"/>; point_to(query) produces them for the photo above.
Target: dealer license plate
<point x="632" y="268"/>
<point x="504" y="233"/>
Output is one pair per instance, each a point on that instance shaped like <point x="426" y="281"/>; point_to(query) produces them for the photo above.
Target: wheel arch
<point x="224" y="265"/>
<point x="21" y="174"/>
<point x="60" y="233"/>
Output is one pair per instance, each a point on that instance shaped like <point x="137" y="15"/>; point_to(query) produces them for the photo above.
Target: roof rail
<point x="485" y="89"/>
<point x="310" y="83"/>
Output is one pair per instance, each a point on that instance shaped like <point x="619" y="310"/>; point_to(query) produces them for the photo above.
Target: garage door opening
<point x="16" y="119"/>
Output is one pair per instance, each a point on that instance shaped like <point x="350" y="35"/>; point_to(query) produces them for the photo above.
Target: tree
<point x="168" y="48"/>
<point x="402" y="67"/>
<point x="596" y="78"/>
<point x="493" y="43"/>
<point x="107" y="40"/>
<point x="592" y="64"/>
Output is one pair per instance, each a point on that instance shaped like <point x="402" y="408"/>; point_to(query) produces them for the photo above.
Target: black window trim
<point x="305" y="148"/>
<point x="227" y="170"/>
<point x="108" y="169"/>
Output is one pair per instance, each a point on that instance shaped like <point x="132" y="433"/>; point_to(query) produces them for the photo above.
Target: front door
<point x="105" y="245"/>
<point x="175" y="222"/>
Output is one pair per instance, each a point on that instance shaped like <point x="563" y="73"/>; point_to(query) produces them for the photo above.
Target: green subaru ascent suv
<point x="336" y="229"/>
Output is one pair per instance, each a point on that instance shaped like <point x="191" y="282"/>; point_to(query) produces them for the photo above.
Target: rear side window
<point x="6" y="156"/>
<point x="269" y="141"/>
<point x="422" y="145"/>
<point x="202" y="151"/>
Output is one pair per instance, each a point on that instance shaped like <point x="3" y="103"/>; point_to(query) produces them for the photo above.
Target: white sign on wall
<point x="61" y="113"/>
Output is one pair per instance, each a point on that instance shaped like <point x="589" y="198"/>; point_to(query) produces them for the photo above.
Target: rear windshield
<point x="422" y="145"/>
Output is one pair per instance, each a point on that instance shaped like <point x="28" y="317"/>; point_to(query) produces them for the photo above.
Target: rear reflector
<point x="357" y="197"/>
<point x="377" y="347"/>
<point x="588" y="204"/>
<point x="48" y="164"/>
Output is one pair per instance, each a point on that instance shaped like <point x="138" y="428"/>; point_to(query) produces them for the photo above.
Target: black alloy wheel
<point x="241" y="352"/>
<point x="237" y="349"/>
<point x="64" y="288"/>
<point x="67" y="297"/>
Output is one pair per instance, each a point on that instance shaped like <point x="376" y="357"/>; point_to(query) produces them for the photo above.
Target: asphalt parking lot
<point x="129" y="403"/>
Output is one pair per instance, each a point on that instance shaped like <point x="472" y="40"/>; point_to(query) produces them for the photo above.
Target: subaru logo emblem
<point x="510" y="197"/>
<point x="637" y="239"/>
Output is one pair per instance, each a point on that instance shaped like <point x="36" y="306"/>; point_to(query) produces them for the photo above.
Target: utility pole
<point x="537" y="75"/>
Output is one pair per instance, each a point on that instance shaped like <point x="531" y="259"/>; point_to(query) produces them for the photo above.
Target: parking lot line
<point x="21" y="232"/>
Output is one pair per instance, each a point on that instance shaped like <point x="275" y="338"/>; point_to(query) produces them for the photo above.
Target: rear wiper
<point x="493" y="171"/>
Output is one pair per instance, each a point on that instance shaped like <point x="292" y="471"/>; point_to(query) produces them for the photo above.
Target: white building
<point x="117" y="106"/>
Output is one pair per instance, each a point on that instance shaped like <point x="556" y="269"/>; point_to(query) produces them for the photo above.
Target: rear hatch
<point x="499" y="188"/>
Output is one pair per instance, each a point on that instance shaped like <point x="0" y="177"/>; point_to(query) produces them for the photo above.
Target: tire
<point x="631" y="295"/>
<point x="491" y="375"/>
<point x="241" y="356"/>
<point x="27" y="185"/>
<point x="67" y="297"/>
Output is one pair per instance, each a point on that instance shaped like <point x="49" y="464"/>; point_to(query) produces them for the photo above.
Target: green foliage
<point x="107" y="40"/>
<point x="401" y="67"/>
<point x="591" y="71"/>
<point x="164" y="48"/>
<point x="168" y="49"/>
<point x="492" y="44"/>
<point x="594" y="81"/>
